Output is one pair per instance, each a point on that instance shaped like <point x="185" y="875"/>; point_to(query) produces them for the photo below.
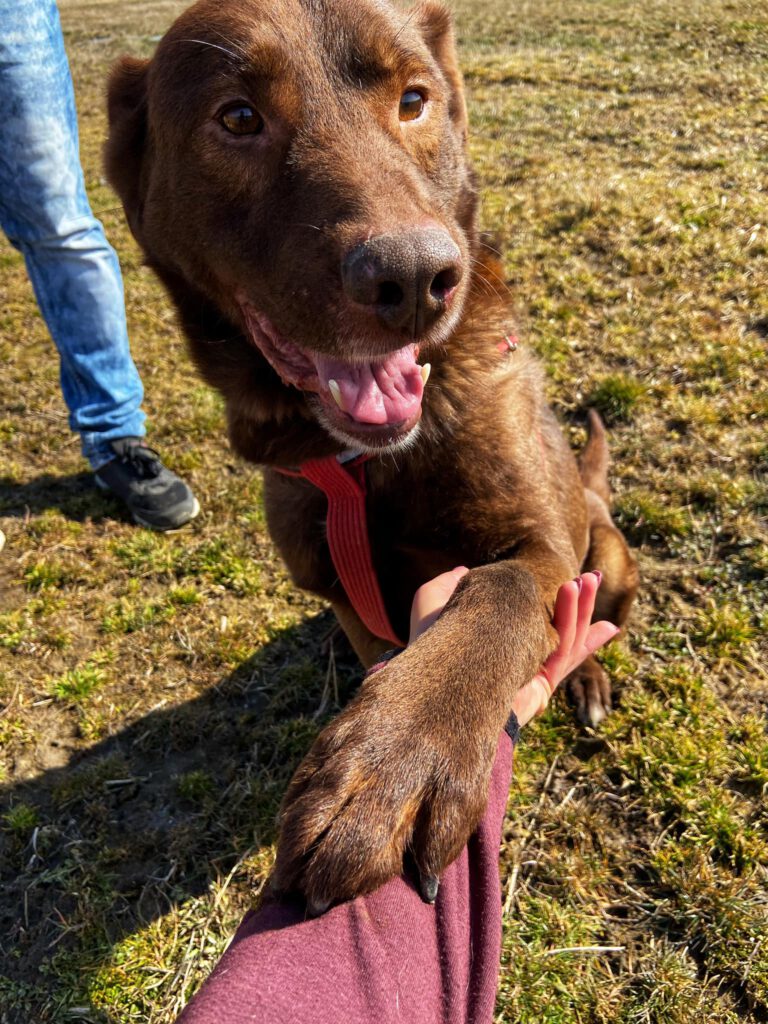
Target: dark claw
<point x="318" y="907"/>
<point x="429" y="886"/>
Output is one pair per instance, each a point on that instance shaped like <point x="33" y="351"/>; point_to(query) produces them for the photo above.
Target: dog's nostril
<point x="390" y="294"/>
<point x="444" y="282"/>
<point x="406" y="280"/>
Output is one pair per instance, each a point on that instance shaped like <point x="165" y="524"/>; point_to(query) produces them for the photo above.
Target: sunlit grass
<point x="157" y="691"/>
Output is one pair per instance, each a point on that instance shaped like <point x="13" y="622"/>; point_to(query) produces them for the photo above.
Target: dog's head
<point x="300" y="165"/>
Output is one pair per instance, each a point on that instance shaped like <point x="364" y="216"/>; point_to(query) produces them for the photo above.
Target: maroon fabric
<point x="387" y="957"/>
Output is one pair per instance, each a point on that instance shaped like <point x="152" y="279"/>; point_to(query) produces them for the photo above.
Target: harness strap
<point x="347" y="532"/>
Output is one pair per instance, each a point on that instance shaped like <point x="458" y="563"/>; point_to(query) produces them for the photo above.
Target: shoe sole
<point x="153" y="526"/>
<point x="168" y="529"/>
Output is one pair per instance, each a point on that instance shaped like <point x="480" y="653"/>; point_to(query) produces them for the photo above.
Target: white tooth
<point x="425" y="372"/>
<point x="336" y="392"/>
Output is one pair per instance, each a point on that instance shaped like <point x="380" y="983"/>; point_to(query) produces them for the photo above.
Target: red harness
<point x="347" y="532"/>
<point x="347" y="528"/>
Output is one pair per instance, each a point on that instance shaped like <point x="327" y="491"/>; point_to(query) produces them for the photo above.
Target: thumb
<point x="430" y="599"/>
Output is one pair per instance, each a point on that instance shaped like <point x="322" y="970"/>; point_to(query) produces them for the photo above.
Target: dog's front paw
<point x="589" y="690"/>
<point x="384" y="778"/>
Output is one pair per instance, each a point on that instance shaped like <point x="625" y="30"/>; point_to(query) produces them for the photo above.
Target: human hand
<point x="579" y="637"/>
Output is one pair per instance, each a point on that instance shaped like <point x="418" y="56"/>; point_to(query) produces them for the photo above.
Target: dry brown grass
<point x="157" y="691"/>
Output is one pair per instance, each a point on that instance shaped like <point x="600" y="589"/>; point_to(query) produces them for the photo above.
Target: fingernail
<point x="599" y="576"/>
<point x="579" y="582"/>
<point x="429" y="886"/>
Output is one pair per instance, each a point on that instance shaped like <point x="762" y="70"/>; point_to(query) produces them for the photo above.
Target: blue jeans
<point x="45" y="213"/>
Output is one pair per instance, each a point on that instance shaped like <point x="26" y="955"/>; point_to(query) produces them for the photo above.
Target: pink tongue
<point x="387" y="392"/>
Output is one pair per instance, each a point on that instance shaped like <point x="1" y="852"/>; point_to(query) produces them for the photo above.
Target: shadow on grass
<point x="142" y="821"/>
<point x="75" y="496"/>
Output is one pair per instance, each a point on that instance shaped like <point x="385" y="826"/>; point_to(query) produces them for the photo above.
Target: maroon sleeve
<point x="387" y="957"/>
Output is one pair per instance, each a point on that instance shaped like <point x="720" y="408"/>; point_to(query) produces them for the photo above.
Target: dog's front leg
<point x="368" y="647"/>
<point x="406" y="766"/>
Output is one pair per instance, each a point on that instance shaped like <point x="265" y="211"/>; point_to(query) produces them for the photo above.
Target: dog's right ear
<point x="126" y="148"/>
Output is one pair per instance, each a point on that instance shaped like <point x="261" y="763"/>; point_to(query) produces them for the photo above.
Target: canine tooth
<point x="425" y="372"/>
<point x="335" y="390"/>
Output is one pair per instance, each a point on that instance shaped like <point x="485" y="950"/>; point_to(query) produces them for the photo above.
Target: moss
<point x="617" y="397"/>
<point x="45" y="574"/>
<point x="725" y="632"/>
<point x="647" y="517"/>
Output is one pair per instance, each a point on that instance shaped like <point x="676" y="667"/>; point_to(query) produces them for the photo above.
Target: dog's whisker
<point x="489" y="269"/>
<point x="214" y="46"/>
<point x="498" y="277"/>
<point x="487" y="285"/>
<point x="229" y="42"/>
<point x="482" y="282"/>
<point x="484" y="278"/>
<point x="490" y="248"/>
<point x="151" y="315"/>
<point x="405" y="25"/>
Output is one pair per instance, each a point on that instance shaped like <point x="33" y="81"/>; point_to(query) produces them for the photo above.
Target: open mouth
<point x="377" y="403"/>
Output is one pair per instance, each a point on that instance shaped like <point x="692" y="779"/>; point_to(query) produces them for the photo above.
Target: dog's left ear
<point x="436" y="24"/>
<point x="126" y="149"/>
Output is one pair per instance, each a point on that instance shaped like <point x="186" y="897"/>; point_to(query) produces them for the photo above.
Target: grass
<point x="77" y="684"/>
<point x="617" y="397"/>
<point x="157" y="691"/>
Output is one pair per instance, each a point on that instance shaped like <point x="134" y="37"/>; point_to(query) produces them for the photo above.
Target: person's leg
<point x="45" y="213"/>
<point x="384" y="958"/>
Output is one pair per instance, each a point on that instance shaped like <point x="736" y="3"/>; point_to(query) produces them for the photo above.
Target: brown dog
<point x="295" y="172"/>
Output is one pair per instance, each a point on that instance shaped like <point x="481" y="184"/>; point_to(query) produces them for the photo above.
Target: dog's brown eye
<point x="411" y="105"/>
<point x="240" y="119"/>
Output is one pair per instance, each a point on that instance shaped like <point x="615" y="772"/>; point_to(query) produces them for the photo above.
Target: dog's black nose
<point x="408" y="279"/>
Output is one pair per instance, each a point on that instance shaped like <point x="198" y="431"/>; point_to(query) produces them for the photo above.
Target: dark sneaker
<point x="155" y="496"/>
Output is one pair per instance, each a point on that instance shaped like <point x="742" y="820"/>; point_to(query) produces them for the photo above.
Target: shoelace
<point x="143" y="460"/>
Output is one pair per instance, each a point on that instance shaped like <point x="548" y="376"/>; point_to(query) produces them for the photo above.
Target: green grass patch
<point x="219" y="563"/>
<point x="46" y="574"/>
<point x="617" y="397"/>
<point x="78" y="684"/>
<point x="726" y="632"/>
<point x="647" y="517"/>
<point x="131" y="614"/>
<point x="21" y="819"/>
<point x="196" y="786"/>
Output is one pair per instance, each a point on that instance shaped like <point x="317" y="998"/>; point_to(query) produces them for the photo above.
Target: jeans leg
<point x="45" y="213"/>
